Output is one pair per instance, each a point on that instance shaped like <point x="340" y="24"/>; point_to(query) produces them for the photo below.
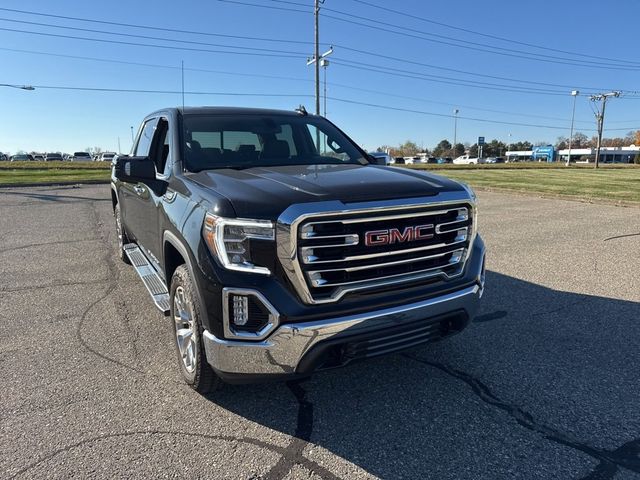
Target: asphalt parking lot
<point x="544" y="384"/>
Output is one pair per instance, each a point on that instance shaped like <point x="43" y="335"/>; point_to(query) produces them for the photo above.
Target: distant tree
<point x="613" y="142"/>
<point x="630" y="138"/>
<point x="458" y="150"/>
<point x="408" y="149"/>
<point x="636" y="140"/>
<point x="562" y="143"/>
<point x="580" y="140"/>
<point x="442" y="148"/>
<point x="521" y="146"/>
<point x="494" y="148"/>
<point x="637" y="159"/>
<point x="541" y="143"/>
<point x="473" y="150"/>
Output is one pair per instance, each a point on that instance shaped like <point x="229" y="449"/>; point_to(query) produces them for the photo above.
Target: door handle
<point x="138" y="189"/>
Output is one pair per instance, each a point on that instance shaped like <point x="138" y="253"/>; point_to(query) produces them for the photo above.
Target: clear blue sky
<point x="59" y="120"/>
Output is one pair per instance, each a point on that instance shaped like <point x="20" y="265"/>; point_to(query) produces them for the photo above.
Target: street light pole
<point x="455" y="129"/>
<point x="574" y="94"/>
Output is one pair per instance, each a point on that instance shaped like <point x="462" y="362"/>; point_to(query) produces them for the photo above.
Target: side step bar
<point x="155" y="285"/>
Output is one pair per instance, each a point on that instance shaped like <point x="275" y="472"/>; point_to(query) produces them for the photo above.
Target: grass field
<point x="29" y="173"/>
<point x="616" y="183"/>
<point x="612" y="183"/>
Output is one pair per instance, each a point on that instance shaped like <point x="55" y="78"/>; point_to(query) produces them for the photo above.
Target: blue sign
<point x="480" y="140"/>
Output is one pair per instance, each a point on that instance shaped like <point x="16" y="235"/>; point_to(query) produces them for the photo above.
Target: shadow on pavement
<point x="460" y="408"/>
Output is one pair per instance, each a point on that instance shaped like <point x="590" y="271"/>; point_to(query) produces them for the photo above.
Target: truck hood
<point x="265" y="192"/>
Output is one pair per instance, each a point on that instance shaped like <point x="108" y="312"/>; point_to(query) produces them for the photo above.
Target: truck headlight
<point x="228" y="240"/>
<point x="474" y="199"/>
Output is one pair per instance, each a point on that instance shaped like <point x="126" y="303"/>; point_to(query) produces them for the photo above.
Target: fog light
<point x="240" y="310"/>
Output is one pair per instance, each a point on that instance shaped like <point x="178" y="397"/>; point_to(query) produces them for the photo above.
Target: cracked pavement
<point x="544" y="383"/>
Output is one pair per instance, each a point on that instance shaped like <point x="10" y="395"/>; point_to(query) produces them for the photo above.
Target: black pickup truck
<point x="279" y="247"/>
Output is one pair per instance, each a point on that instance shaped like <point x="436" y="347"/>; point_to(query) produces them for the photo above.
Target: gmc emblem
<point x="393" y="235"/>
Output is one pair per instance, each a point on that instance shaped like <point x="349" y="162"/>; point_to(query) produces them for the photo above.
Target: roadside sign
<point x="480" y="140"/>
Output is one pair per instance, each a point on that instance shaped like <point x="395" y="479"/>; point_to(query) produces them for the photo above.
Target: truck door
<point x="144" y="202"/>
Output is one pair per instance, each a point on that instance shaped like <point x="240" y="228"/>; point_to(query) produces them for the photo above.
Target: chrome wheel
<point x="186" y="336"/>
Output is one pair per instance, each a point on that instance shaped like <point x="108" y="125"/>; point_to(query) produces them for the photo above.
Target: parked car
<point x="38" y="157"/>
<point x="53" y="157"/>
<point x="442" y="160"/>
<point x="398" y="160"/>
<point x="383" y="158"/>
<point x="21" y="157"/>
<point x="105" y="156"/>
<point x="494" y="160"/>
<point x="81" y="157"/>
<point x="467" y="160"/>
<point x="4" y="157"/>
<point x="236" y="243"/>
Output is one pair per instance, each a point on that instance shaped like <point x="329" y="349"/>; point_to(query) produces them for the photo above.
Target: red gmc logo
<point x="393" y="235"/>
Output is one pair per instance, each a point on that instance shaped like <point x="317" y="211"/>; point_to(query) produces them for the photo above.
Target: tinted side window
<point x="144" y="142"/>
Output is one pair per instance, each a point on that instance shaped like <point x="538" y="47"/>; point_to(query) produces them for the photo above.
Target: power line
<point x="251" y="94"/>
<point x="487" y="35"/>
<point x="167" y="92"/>
<point x="455" y="70"/>
<point x="344" y="47"/>
<point x="148" y="37"/>
<point x="152" y="27"/>
<point x="435" y="79"/>
<point x="278" y="77"/>
<point x="153" y="65"/>
<point x="169" y="47"/>
<point x="444" y="115"/>
<point x="496" y="51"/>
<point x="462" y="43"/>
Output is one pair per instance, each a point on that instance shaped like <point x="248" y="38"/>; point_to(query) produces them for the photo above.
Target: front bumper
<point x="300" y="348"/>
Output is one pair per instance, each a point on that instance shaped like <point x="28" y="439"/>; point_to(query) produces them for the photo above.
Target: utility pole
<point x="602" y="97"/>
<point x="574" y="94"/>
<point x="316" y="14"/>
<point x="324" y="63"/>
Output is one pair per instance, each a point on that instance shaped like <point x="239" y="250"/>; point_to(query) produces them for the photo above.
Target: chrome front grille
<point x="334" y="253"/>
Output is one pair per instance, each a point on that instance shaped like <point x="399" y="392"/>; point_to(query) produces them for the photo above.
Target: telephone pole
<point x="317" y="58"/>
<point x="601" y="97"/>
<point x="316" y="14"/>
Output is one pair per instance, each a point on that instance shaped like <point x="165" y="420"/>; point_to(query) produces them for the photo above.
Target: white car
<point x="467" y="160"/>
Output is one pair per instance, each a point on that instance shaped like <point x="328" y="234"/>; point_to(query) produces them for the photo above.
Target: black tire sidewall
<point x="120" y="231"/>
<point x="202" y="378"/>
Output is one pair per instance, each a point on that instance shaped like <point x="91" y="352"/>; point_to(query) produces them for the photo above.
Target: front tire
<point x="188" y="330"/>
<point x="121" y="235"/>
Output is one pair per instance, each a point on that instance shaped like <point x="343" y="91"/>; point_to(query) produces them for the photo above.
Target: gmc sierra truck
<point x="279" y="247"/>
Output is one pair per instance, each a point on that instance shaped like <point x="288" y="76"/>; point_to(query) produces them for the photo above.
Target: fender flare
<point x="181" y="247"/>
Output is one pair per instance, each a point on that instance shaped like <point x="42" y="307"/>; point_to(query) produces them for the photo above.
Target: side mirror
<point x="135" y="169"/>
<point x="376" y="160"/>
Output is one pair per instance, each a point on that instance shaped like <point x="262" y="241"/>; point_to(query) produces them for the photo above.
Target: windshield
<point x="243" y="141"/>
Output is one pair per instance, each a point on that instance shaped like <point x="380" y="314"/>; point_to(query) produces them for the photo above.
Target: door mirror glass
<point x="135" y="169"/>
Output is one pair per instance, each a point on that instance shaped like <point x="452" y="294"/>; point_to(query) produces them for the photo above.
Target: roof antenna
<point x="182" y="69"/>
<point x="301" y="110"/>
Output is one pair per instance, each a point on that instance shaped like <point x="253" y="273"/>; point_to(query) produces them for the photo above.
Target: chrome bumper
<point x="282" y="352"/>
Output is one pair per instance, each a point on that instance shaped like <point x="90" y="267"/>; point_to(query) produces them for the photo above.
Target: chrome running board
<point x="154" y="283"/>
